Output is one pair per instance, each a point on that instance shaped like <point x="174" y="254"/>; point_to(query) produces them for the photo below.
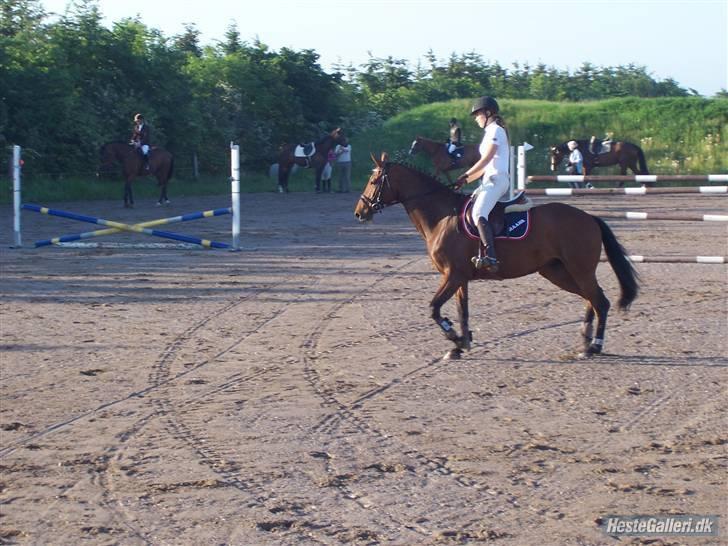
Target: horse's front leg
<point x="128" y="198"/>
<point x="319" y="172"/>
<point x="447" y="289"/>
<point x="463" y="342"/>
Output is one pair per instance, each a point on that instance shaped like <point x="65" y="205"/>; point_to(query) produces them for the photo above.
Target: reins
<point x="376" y="203"/>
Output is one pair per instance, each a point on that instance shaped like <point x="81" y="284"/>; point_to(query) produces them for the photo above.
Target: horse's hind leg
<point x="586" y="278"/>
<point x="163" y="199"/>
<point x="560" y="276"/>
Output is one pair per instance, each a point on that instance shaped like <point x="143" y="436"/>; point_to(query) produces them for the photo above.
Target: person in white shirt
<point x="492" y="168"/>
<point x="576" y="160"/>
<point x="576" y="163"/>
<point x="343" y="164"/>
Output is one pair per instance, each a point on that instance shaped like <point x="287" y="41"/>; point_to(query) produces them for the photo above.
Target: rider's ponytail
<point x="501" y="122"/>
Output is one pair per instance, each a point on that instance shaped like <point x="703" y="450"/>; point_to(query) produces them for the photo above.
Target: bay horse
<point x="441" y="160"/>
<point x="622" y="153"/>
<point x="161" y="166"/>
<point x="287" y="159"/>
<point x="563" y="245"/>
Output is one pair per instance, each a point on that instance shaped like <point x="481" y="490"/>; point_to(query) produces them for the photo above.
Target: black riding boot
<point x="489" y="261"/>
<point x="146" y="162"/>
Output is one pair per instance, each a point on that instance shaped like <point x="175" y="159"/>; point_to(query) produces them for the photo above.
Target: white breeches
<point x="451" y="148"/>
<point x="488" y="194"/>
<point x="145" y="149"/>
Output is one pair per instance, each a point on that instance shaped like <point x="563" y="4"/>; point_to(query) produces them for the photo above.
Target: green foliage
<point x="678" y="135"/>
<point x="70" y="85"/>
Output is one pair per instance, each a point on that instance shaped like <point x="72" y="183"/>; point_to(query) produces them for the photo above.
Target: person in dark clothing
<point x="454" y="143"/>
<point x="140" y="138"/>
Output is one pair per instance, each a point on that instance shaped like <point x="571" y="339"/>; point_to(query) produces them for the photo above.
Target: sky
<point x="683" y="40"/>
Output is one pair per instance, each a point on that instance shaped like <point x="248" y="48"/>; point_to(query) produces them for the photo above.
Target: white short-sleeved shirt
<point x="500" y="162"/>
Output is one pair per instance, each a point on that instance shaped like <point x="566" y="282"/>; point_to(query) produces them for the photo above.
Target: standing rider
<point x="140" y="138"/>
<point x="493" y="167"/>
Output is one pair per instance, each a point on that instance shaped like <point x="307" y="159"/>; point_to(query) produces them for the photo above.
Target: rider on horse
<point x="454" y="143"/>
<point x="493" y="167"/>
<point x="140" y="138"/>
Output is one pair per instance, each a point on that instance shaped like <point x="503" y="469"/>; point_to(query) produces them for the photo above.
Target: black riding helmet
<point x="485" y="103"/>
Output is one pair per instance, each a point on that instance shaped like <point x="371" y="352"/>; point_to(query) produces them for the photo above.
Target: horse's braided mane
<point x="418" y="170"/>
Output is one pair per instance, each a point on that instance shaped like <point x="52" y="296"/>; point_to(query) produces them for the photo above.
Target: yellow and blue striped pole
<point x="143" y="227"/>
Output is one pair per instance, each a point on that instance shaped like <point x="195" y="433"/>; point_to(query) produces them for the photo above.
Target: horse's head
<point x="338" y="136"/>
<point x="378" y="192"/>
<point x="416" y="143"/>
<point x="557" y="154"/>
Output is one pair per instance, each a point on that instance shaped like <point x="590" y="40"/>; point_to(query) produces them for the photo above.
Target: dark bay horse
<point x="563" y="245"/>
<point x="161" y="166"/>
<point x="287" y="159"/>
<point x="441" y="160"/>
<point x="622" y="153"/>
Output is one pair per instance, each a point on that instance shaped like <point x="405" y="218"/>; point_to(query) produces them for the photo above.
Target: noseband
<point x="375" y="202"/>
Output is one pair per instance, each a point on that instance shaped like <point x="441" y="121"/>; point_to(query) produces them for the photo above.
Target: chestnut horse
<point x="622" y="153"/>
<point x="287" y="159"/>
<point x="563" y="245"/>
<point x="161" y="166"/>
<point x="441" y="160"/>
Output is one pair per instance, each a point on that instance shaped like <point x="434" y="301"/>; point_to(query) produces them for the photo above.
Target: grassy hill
<point x="678" y="135"/>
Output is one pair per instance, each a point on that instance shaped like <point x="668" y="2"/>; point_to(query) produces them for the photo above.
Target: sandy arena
<point x="295" y="392"/>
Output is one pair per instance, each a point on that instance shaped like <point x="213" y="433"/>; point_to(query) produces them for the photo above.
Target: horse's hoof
<point x="453" y="354"/>
<point x="584" y="355"/>
<point x="280" y="189"/>
<point x="590" y="351"/>
<point x="159" y="204"/>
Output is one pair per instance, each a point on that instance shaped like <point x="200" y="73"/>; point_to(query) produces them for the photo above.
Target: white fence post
<point x="522" y="164"/>
<point x="512" y="172"/>
<point x="235" y="188"/>
<point x="16" y="197"/>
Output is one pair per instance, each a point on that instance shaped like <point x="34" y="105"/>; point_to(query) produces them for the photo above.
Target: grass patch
<point x="39" y="189"/>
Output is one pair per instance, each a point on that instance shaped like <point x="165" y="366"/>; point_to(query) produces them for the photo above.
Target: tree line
<point x="69" y="84"/>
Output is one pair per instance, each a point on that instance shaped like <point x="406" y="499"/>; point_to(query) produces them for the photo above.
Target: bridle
<point x="375" y="201"/>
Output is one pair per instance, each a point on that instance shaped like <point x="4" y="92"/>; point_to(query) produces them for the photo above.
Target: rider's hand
<point x="461" y="181"/>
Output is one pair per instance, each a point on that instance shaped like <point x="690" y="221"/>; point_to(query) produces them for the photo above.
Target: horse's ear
<point x="384" y="157"/>
<point x="375" y="160"/>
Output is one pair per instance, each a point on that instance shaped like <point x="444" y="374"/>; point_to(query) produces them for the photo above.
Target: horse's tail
<point x="641" y="159"/>
<point x="623" y="268"/>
